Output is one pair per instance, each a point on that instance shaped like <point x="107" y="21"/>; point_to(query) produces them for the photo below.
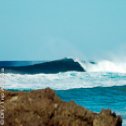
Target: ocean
<point x="93" y="85"/>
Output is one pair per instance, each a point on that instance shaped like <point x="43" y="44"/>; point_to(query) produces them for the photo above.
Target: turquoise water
<point x="95" y="99"/>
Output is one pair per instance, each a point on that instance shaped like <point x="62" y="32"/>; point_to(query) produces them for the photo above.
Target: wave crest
<point x="103" y="66"/>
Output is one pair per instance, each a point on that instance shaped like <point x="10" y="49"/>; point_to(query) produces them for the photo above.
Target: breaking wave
<point x="62" y="81"/>
<point x="103" y="66"/>
<point x="65" y="65"/>
<point x="65" y="74"/>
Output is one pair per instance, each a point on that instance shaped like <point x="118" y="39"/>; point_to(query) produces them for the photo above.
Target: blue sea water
<point x="103" y="85"/>
<point x="95" y="99"/>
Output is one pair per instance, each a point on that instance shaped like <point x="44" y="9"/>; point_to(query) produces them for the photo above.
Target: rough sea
<point x="102" y="85"/>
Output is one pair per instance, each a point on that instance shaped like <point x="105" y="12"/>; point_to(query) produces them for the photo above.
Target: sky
<point x="53" y="29"/>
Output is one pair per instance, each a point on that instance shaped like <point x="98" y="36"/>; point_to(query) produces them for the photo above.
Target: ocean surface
<point x="97" y="85"/>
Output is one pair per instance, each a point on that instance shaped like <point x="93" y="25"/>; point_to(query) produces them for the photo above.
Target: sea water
<point x="93" y="90"/>
<point x="103" y="85"/>
<point x="95" y="99"/>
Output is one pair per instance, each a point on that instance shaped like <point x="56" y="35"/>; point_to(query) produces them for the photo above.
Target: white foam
<point x="108" y="66"/>
<point x="103" y="66"/>
<point x="63" y="81"/>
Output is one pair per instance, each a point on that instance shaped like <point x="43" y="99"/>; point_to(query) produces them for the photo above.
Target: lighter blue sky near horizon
<point x="52" y="29"/>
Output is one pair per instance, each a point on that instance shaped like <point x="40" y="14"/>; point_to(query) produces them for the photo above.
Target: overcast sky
<point x="52" y="29"/>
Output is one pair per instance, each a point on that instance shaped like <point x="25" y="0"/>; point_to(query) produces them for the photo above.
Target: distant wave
<point x="55" y="66"/>
<point x="63" y="65"/>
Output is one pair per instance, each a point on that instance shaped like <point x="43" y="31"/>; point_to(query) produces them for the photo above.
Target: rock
<point x="44" y="108"/>
<point x="106" y="118"/>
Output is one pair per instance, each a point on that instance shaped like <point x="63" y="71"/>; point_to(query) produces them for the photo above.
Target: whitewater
<point x="101" y="85"/>
<point x="63" y="81"/>
<point x="101" y="74"/>
<point x="103" y="66"/>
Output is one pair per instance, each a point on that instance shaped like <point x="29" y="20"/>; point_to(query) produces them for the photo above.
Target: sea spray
<point x="103" y="66"/>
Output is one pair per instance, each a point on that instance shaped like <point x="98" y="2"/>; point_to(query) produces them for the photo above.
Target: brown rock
<point x="107" y="118"/>
<point x="44" y="108"/>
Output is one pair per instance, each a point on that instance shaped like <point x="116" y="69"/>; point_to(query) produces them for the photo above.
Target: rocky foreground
<point x="44" y="108"/>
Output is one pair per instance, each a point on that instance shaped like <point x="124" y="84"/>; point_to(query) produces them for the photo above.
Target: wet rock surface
<point x="44" y="108"/>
